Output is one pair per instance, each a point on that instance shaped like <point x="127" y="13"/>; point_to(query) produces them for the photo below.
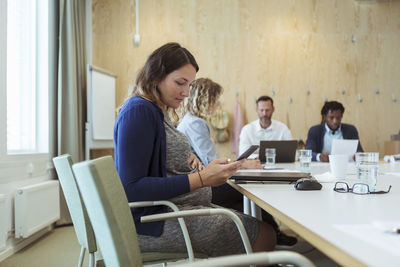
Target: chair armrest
<point x="141" y="204"/>
<point x="260" y="258"/>
<point x="204" y="212"/>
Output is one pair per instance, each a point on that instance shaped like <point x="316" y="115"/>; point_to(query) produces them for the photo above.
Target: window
<point x="27" y="76"/>
<point x="23" y="87"/>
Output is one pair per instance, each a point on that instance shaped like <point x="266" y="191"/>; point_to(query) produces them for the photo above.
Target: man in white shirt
<point x="264" y="128"/>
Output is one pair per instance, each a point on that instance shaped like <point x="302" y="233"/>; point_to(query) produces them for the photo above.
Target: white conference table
<point x="325" y="218"/>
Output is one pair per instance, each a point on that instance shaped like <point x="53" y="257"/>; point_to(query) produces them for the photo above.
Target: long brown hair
<point x="159" y="64"/>
<point x="203" y="96"/>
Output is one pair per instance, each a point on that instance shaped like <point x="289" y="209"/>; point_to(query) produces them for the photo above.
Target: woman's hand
<point x="252" y="164"/>
<point x="194" y="162"/>
<point x="219" y="171"/>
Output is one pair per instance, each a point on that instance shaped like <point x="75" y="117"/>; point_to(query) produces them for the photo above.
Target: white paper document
<point x="380" y="234"/>
<point x="344" y="147"/>
<point x="326" y="177"/>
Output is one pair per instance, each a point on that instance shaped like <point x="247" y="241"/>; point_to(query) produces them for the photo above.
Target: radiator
<point x="36" y="207"/>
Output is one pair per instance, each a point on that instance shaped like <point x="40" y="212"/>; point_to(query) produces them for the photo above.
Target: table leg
<point x="246" y="206"/>
<point x="255" y="211"/>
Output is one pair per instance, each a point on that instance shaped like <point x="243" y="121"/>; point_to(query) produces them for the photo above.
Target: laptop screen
<point x="285" y="150"/>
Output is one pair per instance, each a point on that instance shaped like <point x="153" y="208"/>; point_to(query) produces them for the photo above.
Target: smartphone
<point x="248" y="152"/>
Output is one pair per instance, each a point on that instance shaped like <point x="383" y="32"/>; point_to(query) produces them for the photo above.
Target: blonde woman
<point x="202" y="101"/>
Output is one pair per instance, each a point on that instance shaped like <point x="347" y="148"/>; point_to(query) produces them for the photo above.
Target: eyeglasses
<point x="360" y="189"/>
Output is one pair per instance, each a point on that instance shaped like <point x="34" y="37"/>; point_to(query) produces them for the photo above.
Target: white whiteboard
<point x="102" y="105"/>
<point x="100" y="109"/>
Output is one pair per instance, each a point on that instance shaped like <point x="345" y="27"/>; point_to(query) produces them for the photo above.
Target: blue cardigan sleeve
<point x="140" y="156"/>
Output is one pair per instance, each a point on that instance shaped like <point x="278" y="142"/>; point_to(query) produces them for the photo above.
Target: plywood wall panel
<point x="254" y="46"/>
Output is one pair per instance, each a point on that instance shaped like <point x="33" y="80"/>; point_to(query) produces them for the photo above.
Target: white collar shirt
<point x="329" y="136"/>
<point x="253" y="133"/>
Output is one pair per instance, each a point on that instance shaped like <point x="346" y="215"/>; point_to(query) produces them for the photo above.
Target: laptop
<point x="285" y="150"/>
<point x="263" y="176"/>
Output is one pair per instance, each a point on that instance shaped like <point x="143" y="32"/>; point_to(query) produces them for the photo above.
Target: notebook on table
<point x="285" y="150"/>
<point x="280" y="175"/>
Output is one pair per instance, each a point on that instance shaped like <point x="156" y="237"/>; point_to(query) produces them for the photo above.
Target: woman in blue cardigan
<point x="154" y="162"/>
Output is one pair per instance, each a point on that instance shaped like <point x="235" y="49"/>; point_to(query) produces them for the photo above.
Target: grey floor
<point x="60" y="248"/>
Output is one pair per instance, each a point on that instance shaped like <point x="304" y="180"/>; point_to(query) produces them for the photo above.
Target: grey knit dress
<point x="215" y="235"/>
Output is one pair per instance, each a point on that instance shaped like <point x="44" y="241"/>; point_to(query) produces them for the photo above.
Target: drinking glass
<point x="270" y="157"/>
<point x="367" y="168"/>
<point x="305" y="160"/>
